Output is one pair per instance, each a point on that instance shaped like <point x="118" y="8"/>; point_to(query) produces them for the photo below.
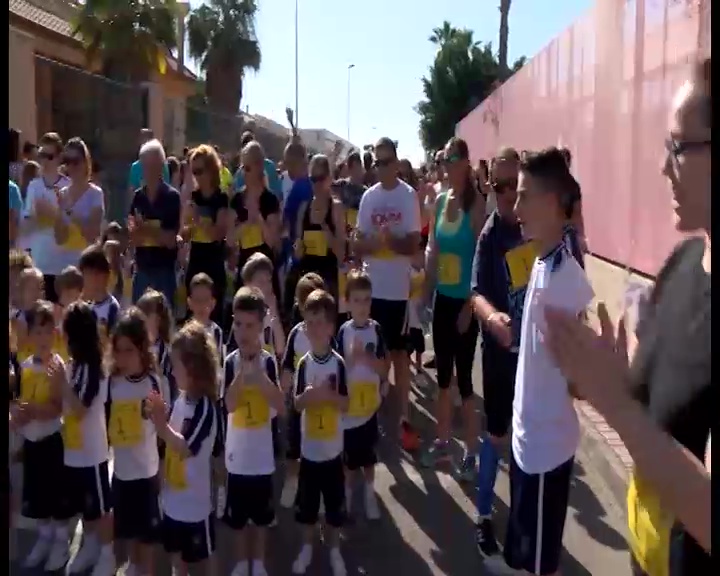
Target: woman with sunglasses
<point x="82" y="205"/>
<point x="40" y="209"/>
<point x="206" y="223"/>
<point x="456" y="224"/>
<point x="320" y="227"/>
<point x="255" y="215"/>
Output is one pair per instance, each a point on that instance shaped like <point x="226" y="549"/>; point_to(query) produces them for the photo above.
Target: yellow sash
<point x="520" y="262"/>
<point x="250" y="236"/>
<point x="315" y="243"/>
<point x="200" y="235"/>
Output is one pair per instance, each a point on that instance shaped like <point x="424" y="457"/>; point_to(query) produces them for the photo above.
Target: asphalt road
<point x="426" y="527"/>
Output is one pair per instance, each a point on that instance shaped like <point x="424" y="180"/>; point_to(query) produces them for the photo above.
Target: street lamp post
<point x="350" y="67"/>
<point x="297" y="122"/>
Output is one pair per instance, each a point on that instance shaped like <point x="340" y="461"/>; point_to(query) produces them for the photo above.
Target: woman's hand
<point x="595" y="363"/>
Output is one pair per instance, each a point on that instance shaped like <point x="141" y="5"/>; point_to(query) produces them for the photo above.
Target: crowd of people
<point x="165" y="367"/>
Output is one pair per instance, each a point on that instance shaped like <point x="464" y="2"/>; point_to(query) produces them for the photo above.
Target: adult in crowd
<point x="351" y="189"/>
<point x="501" y="270"/>
<point x="407" y="174"/>
<point x="273" y="180"/>
<point x="174" y="172"/>
<point x="135" y="176"/>
<point x="153" y="224"/>
<point x="40" y="212"/>
<point x="226" y="177"/>
<point x="254" y="216"/>
<point x="388" y="235"/>
<point x="651" y="378"/>
<point x="457" y="222"/>
<point x="206" y="223"/>
<point x="296" y="162"/>
<point x="320" y="244"/>
<point x="15" y="211"/>
<point x="371" y="176"/>
<point x="78" y="222"/>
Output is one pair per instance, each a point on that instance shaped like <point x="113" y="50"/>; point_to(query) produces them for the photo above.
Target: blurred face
<point x="319" y="329"/>
<point x="386" y="164"/>
<point x="153" y="326"/>
<point x="538" y="210"/>
<point x="126" y="356"/>
<point x="94" y="282"/>
<point x="344" y="171"/>
<point x="75" y="162"/>
<point x="359" y="302"/>
<point x="247" y="329"/>
<point x="42" y="338"/>
<point x="293" y="164"/>
<point x="687" y="163"/>
<point x="456" y="167"/>
<point x="253" y="168"/>
<point x="179" y="371"/>
<point x="152" y="166"/>
<point x="201" y="173"/>
<point x="320" y="178"/>
<point x="355" y="170"/>
<point x="440" y="165"/>
<point x="68" y="296"/>
<point x="504" y="180"/>
<point x="405" y="170"/>
<point x="201" y="303"/>
<point x="31" y="290"/>
<point x="49" y="157"/>
<point x="262" y="281"/>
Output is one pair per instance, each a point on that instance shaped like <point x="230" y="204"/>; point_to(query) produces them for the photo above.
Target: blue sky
<point x="387" y="41"/>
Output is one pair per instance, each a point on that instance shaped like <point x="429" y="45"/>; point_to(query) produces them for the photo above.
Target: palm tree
<point x="444" y="34"/>
<point x="131" y="38"/>
<point x="504" y="32"/>
<point x="221" y="35"/>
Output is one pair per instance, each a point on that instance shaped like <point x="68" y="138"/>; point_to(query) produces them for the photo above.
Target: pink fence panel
<point x="603" y="89"/>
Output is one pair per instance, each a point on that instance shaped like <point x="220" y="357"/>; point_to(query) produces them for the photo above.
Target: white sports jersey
<point x="132" y="436"/>
<point x="248" y="435"/>
<point x="161" y="350"/>
<point x="545" y="427"/>
<point x="297" y="346"/>
<point x="186" y="493"/>
<point x="85" y="438"/>
<point x="34" y="386"/>
<point x="362" y="381"/>
<point x="321" y="426"/>
<point x="107" y="312"/>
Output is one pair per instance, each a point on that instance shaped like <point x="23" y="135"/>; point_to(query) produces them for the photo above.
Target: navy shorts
<point x="538" y="506"/>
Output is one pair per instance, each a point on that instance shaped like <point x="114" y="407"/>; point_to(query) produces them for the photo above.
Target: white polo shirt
<point x="545" y="427"/>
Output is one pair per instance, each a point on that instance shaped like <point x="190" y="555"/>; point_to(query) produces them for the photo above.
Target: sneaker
<point x="485" y="538"/>
<point x="258" y="568"/>
<point x="409" y="438"/>
<point x="372" y="508"/>
<point x="85" y="556"/>
<point x="468" y="468"/>
<point x="436" y="453"/>
<point x="302" y="562"/>
<point x="39" y="552"/>
<point x="430" y="364"/>
<point x="287" y="498"/>
<point x="106" y="564"/>
<point x="59" y="555"/>
<point x="242" y="568"/>
<point x="337" y="564"/>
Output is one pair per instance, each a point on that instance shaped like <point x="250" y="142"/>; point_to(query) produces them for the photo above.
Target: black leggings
<point x="451" y="347"/>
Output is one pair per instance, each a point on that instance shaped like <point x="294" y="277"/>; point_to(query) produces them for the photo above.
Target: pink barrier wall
<point x="603" y="88"/>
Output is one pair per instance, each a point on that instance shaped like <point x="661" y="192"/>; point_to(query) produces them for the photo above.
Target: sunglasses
<point x="383" y="162"/>
<point x="43" y="155"/>
<point x="317" y="178"/>
<point x="452" y="159"/>
<point x="71" y="160"/>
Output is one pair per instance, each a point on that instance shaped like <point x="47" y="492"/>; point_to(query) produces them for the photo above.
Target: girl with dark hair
<point x="457" y="221"/>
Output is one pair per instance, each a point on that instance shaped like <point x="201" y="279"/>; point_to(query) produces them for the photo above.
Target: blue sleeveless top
<point x="455" y="245"/>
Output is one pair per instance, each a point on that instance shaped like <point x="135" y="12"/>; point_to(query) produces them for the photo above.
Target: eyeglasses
<point x="45" y="155"/>
<point x="679" y="147"/>
<point x="453" y="158"/>
<point x="317" y="178"/>
<point x="383" y="162"/>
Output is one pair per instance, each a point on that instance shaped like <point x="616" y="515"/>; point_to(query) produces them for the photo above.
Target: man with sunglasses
<point x="388" y="235"/>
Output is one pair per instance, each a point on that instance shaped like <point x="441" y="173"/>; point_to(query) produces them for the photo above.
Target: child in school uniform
<point x="298" y="344"/>
<point x="360" y="343"/>
<point x="321" y="397"/>
<point x="189" y="433"/>
<point x="95" y="269"/>
<point x="251" y="397"/>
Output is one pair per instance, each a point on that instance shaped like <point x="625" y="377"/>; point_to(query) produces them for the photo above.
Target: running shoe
<point x="485" y="538"/>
